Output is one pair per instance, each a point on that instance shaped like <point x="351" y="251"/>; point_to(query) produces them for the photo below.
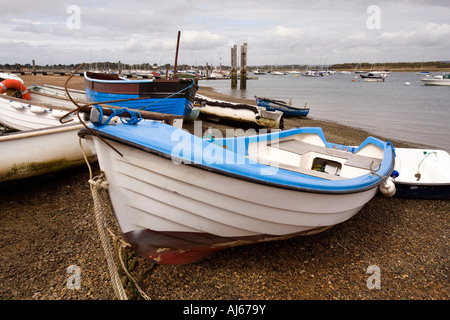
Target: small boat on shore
<point x="422" y="173"/>
<point x="37" y="153"/>
<point x="238" y="113"/>
<point x="440" y="80"/>
<point x="279" y="105"/>
<point x="170" y="96"/>
<point x="179" y="198"/>
<point x="40" y="111"/>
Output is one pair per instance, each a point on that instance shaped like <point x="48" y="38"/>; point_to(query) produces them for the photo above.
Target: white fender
<point x="388" y="187"/>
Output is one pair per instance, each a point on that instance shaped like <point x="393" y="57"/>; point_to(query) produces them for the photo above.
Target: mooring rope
<point x="173" y="94"/>
<point x="99" y="185"/>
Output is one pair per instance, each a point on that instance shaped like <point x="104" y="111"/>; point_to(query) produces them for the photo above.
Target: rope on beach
<point x="98" y="186"/>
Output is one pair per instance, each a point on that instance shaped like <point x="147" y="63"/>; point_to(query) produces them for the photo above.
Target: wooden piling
<point x="234" y="67"/>
<point x="244" y="66"/>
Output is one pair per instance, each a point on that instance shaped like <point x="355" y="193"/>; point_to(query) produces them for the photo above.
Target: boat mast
<point x="176" y="57"/>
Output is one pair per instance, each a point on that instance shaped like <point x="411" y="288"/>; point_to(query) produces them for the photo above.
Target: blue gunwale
<point x="183" y="147"/>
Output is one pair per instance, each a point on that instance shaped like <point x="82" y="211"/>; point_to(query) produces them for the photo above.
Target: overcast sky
<point x="277" y="31"/>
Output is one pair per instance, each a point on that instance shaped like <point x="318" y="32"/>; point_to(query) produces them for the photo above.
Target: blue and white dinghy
<point x="422" y="173"/>
<point x="178" y="197"/>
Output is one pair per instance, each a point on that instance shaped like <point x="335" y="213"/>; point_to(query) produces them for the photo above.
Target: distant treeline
<point x="114" y="66"/>
<point x="393" y="65"/>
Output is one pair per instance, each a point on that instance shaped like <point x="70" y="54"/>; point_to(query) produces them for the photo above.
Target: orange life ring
<point x="15" y="84"/>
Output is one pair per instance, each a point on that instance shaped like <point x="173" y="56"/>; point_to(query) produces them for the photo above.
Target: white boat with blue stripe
<point x="179" y="198"/>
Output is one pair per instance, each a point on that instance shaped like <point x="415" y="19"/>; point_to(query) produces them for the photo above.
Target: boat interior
<point x="307" y="153"/>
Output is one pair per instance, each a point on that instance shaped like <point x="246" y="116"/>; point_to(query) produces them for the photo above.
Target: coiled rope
<point x="135" y="116"/>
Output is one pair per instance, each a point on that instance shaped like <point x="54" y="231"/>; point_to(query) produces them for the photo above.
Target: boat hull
<point x="422" y="173"/>
<point x="157" y="95"/>
<point x="242" y="114"/>
<point x="436" y="82"/>
<point x="176" y="213"/>
<point x="40" y="152"/>
<point x="37" y="113"/>
<point x="422" y="191"/>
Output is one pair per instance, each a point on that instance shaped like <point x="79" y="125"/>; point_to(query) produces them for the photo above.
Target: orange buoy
<point x="15" y="84"/>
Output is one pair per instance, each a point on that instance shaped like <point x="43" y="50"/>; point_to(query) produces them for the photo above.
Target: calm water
<point x="415" y="113"/>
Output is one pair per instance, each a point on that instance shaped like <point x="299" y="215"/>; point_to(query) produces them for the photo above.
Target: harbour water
<point x="416" y="113"/>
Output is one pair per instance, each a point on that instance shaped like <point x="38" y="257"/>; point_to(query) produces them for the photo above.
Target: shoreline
<point x="48" y="226"/>
<point x="344" y="134"/>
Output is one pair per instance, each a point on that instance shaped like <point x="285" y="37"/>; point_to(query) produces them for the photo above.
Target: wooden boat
<point x="40" y="152"/>
<point x="238" y="113"/>
<point x="170" y="96"/>
<point x="179" y="198"/>
<point x="441" y="80"/>
<point x="422" y="173"/>
<point x="278" y="105"/>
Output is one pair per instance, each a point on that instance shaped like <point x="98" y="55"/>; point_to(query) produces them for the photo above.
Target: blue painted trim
<point x="176" y="106"/>
<point x="183" y="147"/>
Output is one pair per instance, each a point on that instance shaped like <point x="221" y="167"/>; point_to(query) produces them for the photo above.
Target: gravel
<point x="47" y="230"/>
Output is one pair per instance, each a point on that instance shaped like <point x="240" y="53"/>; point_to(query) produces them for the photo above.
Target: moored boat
<point x="170" y="96"/>
<point x="179" y="198"/>
<point x="278" y="105"/>
<point x="373" y="77"/>
<point x="422" y="173"/>
<point x="439" y="80"/>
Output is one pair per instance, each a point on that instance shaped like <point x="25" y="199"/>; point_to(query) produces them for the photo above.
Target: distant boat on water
<point x="373" y="77"/>
<point x="259" y="72"/>
<point x="440" y="80"/>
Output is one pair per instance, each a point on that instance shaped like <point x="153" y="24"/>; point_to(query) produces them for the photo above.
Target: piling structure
<point x="244" y="66"/>
<point x="234" y="67"/>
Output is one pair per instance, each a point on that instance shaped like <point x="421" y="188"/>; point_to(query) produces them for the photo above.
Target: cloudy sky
<point x="276" y="31"/>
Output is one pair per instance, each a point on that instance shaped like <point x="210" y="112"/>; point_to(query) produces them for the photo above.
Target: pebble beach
<point x="47" y="230"/>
